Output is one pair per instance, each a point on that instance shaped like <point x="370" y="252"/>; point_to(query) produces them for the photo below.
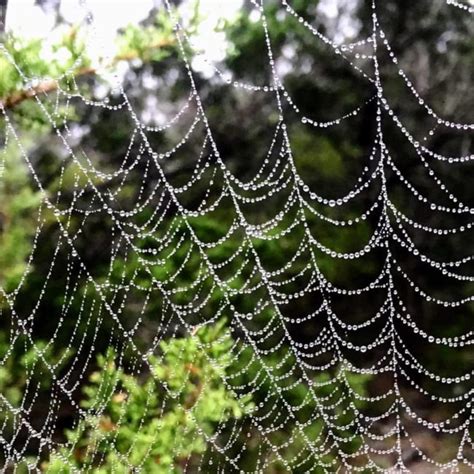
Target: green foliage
<point x="26" y="54"/>
<point x="36" y="58"/>
<point x="149" y="43"/>
<point x="26" y="363"/>
<point x="155" y="420"/>
<point x="313" y="150"/>
<point x="32" y="66"/>
<point x="337" y="395"/>
<point x="18" y="203"/>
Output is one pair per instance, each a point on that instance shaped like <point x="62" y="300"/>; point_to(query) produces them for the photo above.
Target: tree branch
<point x="50" y="85"/>
<point x="42" y="88"/>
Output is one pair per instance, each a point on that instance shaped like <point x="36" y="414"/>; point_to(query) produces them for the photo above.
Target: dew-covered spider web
<point x="346" y="307"/>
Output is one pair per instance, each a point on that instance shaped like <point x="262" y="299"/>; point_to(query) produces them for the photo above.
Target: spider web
<point x="342" y="429"/>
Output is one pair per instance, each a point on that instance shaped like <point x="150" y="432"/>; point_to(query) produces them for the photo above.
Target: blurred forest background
<point x="64" y="358"/>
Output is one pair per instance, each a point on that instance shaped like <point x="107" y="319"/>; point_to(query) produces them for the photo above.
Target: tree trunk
<point x="3" y="15"/>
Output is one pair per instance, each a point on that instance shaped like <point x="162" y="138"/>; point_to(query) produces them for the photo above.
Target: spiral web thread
<point x="340" y="348"/>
